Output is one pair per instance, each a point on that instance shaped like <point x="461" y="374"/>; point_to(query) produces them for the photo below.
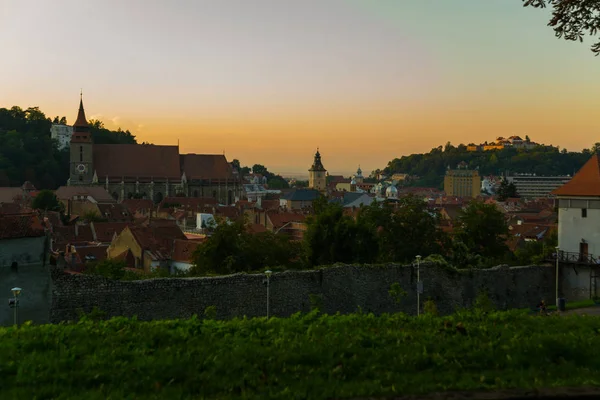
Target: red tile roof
<point x="183" y="250"/>
<point x="206" y="166"/>
<point x="98" y="193"/>
<point x="115" y="212"/>
<point x="586" y="181"/>
<point x="10" y="208"/>
<point x="279" y="219"/>
<point x="190" y="202"/>
<point x="105" y="231"/>
<point x="20" y="226"/>
<point x="9" y="194"/>
<point x="92" y="253"/>
<point x="256" y="228"/>
<point x="73" y="234"/>
<point x="141" y="205"/>
<point x="136" y="161"/>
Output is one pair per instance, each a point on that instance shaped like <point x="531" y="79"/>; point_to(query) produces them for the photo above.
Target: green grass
<point x="575" y="305"/>
<point x="304" y="357"/>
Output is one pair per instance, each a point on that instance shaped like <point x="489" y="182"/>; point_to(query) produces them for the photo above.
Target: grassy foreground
<point x="308" y="357"/>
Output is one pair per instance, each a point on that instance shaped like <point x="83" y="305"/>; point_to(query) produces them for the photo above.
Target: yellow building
<point x="317" y="174"/>
<point x="462" y="182"/>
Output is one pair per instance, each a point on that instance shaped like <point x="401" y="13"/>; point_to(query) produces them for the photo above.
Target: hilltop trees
<point x="541" y="160"/>
<point x="27" y="153"/>
<point x="571" y="20"/>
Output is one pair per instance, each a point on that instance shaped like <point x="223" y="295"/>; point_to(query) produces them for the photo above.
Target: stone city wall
<point x="341" y="289"/>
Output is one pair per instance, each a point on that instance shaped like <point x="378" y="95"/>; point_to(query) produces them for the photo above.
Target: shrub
<point x="305" y="356"/>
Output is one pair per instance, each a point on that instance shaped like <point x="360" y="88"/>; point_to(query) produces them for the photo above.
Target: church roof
<point x="206" y="166"/>
<point x="586" y="181"/>
<point x="81" y="120"/>
<point x="136" y="161"/>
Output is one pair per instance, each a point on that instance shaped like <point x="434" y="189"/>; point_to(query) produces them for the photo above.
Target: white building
<point x="534" y="187"/>
<point x="579" y="214"/>
<point x="62" y="134"/>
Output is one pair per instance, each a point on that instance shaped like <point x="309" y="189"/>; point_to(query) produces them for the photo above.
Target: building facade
<point x="62" y="134"/>
<point x="532" y="186"/>
<point x="578" y="204"/>
<point x="149" y="171"/>
<point x="462" y="182"/>
<point x="317" y="174"/>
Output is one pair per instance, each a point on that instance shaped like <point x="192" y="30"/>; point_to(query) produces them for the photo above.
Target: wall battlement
<point x="342" y="288"/>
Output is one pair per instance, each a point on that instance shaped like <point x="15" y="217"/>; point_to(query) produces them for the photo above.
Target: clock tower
<point x="82" y="160"/>
<point x="317" y="174"/>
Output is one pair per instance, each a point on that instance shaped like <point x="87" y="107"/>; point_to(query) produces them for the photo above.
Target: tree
<point x="330" y="236"/>
<point x="506" y="190"/>
<point x="482" y="228"/>
<point x="277" y="182"/>
<point x="259" y="169"/>
<point x="231" y="248"/>
<point x="47" y="200"/>
<point x="403" y="230"/>
<point x="572" y="19"/>
<point x="534" y="252"/>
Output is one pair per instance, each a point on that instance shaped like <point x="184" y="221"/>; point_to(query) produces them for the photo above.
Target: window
<point x="584" y="213"/>
<point x="80" y="153"/>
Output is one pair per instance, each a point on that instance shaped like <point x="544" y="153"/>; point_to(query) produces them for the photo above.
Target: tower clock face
<point x="80" y="168"/>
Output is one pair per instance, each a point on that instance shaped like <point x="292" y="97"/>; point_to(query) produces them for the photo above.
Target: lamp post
<point x="268" y="274"/>
<point x="418" y="285"/>
<point x="557" y="258"/>
<point x="14" y="302"/>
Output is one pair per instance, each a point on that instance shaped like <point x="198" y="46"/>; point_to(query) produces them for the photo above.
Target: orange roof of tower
<point x="586" y="181"/>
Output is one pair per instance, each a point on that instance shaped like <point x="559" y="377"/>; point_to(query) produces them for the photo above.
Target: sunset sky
<point x="267" y="81"/>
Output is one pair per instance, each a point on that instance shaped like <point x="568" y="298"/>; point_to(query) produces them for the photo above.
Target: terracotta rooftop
<point x="72" y="234"/>
<point x="135" y="205"/>
<point x="206" y="166"/>
<point x="20" y="226"/>
<point x="98" y="193"/>
<point x="184" y="249"/>
<point x="115" y="212"/>
<point x="279" y="219"/>
<point x="141" y="161"/>
<point x="10" y="208"/>
<point x="189" y="202"/>
<point x="105" y="231"/>
<point x="9" y="194"/>
<point x="586" y="182"/>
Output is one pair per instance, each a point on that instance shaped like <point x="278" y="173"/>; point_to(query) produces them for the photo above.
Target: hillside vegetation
<point x="541" y="160"/>
<point x="310" y="357"/>
<point x="27" y="153"/>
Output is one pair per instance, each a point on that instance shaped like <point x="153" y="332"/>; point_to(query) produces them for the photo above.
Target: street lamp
<point x="14" y="302"/>
<point x="557" y="258"/>
<point x="268" y="274"/>
<point x="419" y="286"/>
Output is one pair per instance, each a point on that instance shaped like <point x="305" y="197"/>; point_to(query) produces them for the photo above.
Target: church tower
<point x="81" y="160"/>
<point x="317" y="177"/>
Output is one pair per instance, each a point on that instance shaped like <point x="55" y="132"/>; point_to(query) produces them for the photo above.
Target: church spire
<point x="81" y="121"/>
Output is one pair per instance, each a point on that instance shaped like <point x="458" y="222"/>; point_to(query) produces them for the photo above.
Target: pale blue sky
<point x="269" y="80"/>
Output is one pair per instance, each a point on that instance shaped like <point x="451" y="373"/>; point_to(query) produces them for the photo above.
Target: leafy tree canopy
<point x="430" y="168"/>
<point x="232" y="248"/>
<point x="46" y="200"/>
<point x="572" y="19"/>
<point x="27" y="153"/>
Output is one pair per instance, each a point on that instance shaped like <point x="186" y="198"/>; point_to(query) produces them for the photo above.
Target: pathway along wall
<point x="342" y="289"/>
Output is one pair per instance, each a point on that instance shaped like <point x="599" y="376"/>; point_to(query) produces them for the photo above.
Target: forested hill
<point x="28" y="154"/>
<point x="541" y="160"/>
